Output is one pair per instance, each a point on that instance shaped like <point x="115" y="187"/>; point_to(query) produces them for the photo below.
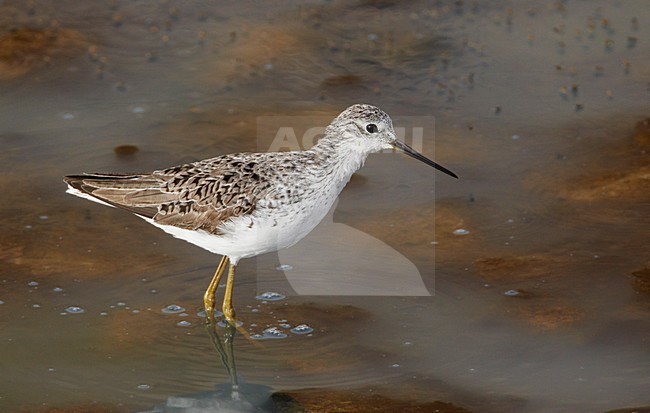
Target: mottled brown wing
<point x="212" y="191"/>
<point x="201" y="195"/>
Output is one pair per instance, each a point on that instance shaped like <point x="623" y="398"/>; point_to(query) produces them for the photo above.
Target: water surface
<point x="536" y="260"/>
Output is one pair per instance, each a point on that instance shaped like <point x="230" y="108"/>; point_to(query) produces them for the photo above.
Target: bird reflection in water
<point x="227" y="397"/>
<point x="226" y="349"/>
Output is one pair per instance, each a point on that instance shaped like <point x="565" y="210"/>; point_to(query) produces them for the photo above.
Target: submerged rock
<point x="125" y="150"/>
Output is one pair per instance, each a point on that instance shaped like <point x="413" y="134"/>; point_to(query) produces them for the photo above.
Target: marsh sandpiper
<point x="246" y="204"/>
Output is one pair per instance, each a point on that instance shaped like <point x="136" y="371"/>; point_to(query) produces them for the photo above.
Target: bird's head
<point x="366" y="129"/>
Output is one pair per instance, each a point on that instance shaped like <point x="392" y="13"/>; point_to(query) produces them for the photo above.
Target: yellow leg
<point x="228" y="310"/>
<point x="209" y="296"/>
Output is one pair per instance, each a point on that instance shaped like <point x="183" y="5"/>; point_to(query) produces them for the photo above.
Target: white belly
<point x="262" y="232"/>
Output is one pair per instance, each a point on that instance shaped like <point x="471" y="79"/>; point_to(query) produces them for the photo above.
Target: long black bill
<point x="412" y="153"/>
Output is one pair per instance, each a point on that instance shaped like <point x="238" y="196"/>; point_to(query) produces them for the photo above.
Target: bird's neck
<point x="339" y="157"/>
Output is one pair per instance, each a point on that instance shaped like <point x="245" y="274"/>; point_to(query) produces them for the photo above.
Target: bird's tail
<point x="140" y="194"/>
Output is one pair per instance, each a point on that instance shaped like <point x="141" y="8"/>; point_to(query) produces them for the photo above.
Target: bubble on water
<point x="136" y="311"/>
<point x="461" y="231"/>
<point x="143" y="387"/>
<point x="255" y="310"/>
<point x="302" y="329"/>
<point x="1" y="302"/>
<point x="183" y="323"/>
<point x="36" y="305"/>
<point x="271" y="333"/>
<point x="57" y="289"/>
<point x="138" y="109"/>
<point x="270" y="296"/>
<point x="73" y="309"/>
<point x="173" y="309"/>
<point x="67" y="116"/>
<point x="32" y="284"/>
<point x="103" y="313"/>
<point x="395" y="365"/>
<point x="223" y="323"/>
<point x="274" y="332"/>
<point x="43" y="217"/>
<point x="202" y="313"/>
<point x="285" y="325"/>
<point x="120" y="304"/>
<point x="284" y="267"/>
<point x="512" y="293"/>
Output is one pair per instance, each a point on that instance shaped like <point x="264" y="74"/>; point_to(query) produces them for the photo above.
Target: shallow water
<point x="521" y="287"/>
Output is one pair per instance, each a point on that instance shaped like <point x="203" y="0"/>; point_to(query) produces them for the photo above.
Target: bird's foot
<point x="229" y="315"/>
<point x="208" y="307"/>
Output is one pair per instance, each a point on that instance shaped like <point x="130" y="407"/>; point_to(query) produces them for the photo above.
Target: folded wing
<point x="194" y="196"/>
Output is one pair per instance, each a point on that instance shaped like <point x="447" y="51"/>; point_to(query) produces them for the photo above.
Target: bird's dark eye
<point x="372" y="128"/>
